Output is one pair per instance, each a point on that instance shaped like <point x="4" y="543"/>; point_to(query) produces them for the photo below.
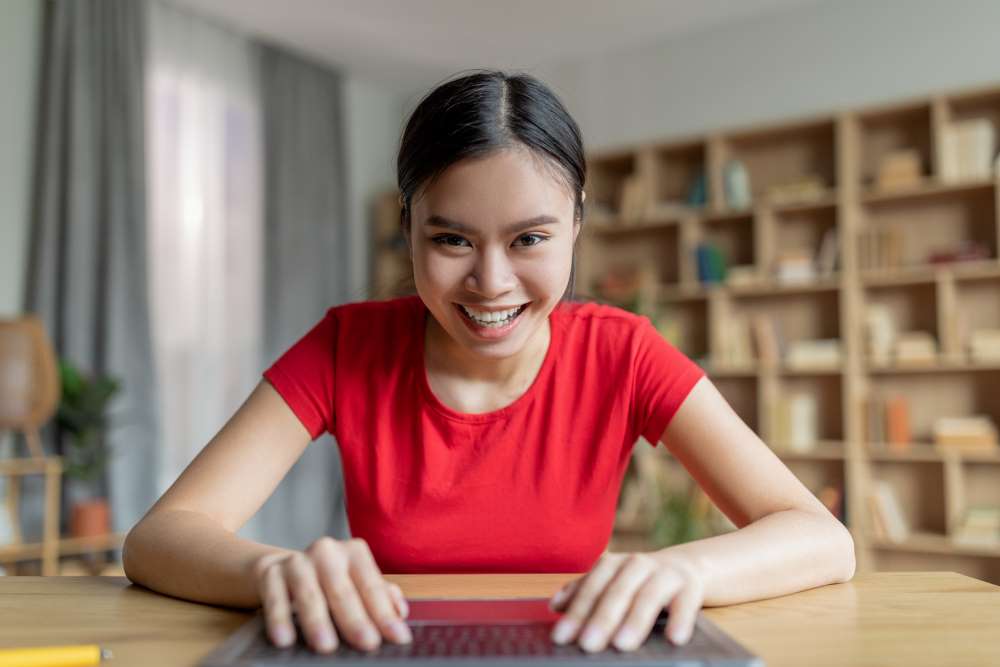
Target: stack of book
<point x="795" y="267"/>
<point x="968" y="149"/>
<point x="803" y="191"/>
<point x="880" y="249"/>
<point x="984" y="346"/>
<point x="899" y="169"/>
<point x="915" y="348"/>
<point x="795" y="422"/>
<point x="821" y="354"/>
<point x="980" y="527"/>
<point x="975" y="434"/>
<point x="888" y="520"/>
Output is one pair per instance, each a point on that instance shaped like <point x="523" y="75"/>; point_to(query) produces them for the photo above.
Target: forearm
<point x="782" y="553"/>
<point x="190" y="556"/>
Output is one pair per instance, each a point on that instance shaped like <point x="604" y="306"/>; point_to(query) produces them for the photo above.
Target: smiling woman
<point x="486" y="423"/>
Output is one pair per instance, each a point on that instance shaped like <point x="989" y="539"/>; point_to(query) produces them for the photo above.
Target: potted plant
<point x="82" y="415"/>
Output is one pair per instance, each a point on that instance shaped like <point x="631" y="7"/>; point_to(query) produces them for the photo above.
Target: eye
<point x="449" y="240"/>
<point x="531" y="239"/>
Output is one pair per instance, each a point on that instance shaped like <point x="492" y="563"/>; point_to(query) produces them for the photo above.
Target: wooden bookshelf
<point x="810" y="180"/>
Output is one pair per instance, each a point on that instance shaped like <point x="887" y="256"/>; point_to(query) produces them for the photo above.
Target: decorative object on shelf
<point x="915" y="349"/>
<point x="711" y="264"/>
<point x="806" y="190"/>
<point x="984" y="346"/>
<point x="820" y="354"/>
<point x="736" y="181"/>
<point x="742" y="275"/>
<point x="795" y="267"/>
<point x="899" y="170"/>
<point x="765" y="338"/>
<point x="888" y="520"/>
<point x="697" y="195"/>
<point x="979" y="527"/>
<point x="966" y="251"/>
<point x="827" y="257"/>
<point x="881" y="248"/>
<point x="881" y="334"/>
<point x="969" y="148"/>
<point x="83" y="415"/>
<point x="977" y="433"/>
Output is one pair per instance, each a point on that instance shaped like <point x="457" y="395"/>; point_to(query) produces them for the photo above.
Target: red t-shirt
<point x="531" y="487"/>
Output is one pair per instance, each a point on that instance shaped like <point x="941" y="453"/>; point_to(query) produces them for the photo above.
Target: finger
<point x="587" y="593"/>
<point x="564" y="595"/>
<point x="277" y="607"/>
<point x="684" y="613"/>
<point x="608" y="613"/>
<point x="652" y="597"/>
<point x="400" y="600"/>
<point x="375" y="594"/>
<point x="309" y="603"/>
<point x="333" y="570"/>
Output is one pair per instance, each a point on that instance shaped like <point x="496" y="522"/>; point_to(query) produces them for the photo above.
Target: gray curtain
<point x="305" y="267"/>
<point x="87" y="257"/>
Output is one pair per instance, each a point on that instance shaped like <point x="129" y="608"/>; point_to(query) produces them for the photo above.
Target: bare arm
<point x="186" y="544"/>
<point x="787" y="540"/>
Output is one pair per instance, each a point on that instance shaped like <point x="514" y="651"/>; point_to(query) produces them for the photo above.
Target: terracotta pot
<point x="90" y="517"/>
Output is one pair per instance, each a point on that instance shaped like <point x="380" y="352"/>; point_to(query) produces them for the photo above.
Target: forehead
<point x="507" y="185"/>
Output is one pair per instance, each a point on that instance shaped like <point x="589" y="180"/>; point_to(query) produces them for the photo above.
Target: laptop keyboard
<point x="474" y="641"/>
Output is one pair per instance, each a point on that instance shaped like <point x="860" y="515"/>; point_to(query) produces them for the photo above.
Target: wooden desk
<point x="906" y="618"/>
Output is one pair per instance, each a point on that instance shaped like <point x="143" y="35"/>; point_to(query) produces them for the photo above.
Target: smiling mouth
<point x="492" y="323"/>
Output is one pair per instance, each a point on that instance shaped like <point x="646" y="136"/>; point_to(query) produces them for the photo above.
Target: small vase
<point x="89" y="518"/>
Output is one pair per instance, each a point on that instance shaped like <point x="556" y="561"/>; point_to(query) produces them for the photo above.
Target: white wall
<point x="19" y="42"/>
<point x="798" y="62"/>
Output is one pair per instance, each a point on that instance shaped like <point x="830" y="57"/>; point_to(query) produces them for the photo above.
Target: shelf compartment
<point x="606" y="178"/>
<point x="919" y="491"/>
<point x="890" y="129"/>
<point x="826" y="390"/>
<point x="685" y="325"/>
<point x="942" y="223"/>
<point x="734" y="237"/>
<point x="677" y="168"/>
<point x="741" y="394"/>
<point x="783" y="155"/>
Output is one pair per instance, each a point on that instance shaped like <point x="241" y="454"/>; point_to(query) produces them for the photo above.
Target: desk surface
<point x="903" y="618"/>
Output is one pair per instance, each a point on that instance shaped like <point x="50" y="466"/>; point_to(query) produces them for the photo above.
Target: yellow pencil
<point x="54" y="656"/>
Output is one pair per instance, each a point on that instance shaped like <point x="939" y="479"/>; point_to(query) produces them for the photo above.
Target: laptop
<point x="480" y="631"/>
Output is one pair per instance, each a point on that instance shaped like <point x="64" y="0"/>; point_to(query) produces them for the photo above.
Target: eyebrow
<point x="445" y="223"/>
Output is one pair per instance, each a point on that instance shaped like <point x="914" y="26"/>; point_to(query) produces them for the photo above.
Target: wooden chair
<point x="29" y="396"/>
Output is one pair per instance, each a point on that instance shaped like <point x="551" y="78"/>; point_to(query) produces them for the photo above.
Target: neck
<point x="446" y="357"/>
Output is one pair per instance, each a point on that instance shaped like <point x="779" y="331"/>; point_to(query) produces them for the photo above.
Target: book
<point x="826" y="257"/>
<point x="984" y="346"/>
<point x="832" y="499"/>
<point x="765" y="340"/>
<point x="897" y="419"/>
<point x="977" y="433"/>
<point x="814" y="354"/>
<point x="890" y="512"/>
<point x="899" y="169"/>
<point x="881" y="334"/>
<point x="803" y="422"/>
<point x="711" y="264"/>
<point x="915" y="348"/>
<point x="968" y="150"/>
<point x="979" y="527"/>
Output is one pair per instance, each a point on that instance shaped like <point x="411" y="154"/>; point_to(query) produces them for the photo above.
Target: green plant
<point x="678" y="521"/>
<point x="83" y="414"/>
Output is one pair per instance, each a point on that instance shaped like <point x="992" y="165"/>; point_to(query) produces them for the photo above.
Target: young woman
<point x="485" y="425"/>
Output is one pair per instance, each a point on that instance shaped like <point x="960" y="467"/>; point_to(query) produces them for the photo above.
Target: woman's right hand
<point x="331" y="578"/>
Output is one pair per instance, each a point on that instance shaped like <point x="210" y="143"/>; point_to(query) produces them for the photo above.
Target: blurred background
<point x="801" y="195"/>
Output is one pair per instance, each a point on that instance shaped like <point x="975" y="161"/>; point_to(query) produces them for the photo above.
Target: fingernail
<point x="563" y="631"/>
<point x="591" y="639"/>
<point x="283" y="635"/>
<point x="324" y="640"/>
<point x="625" y="639"/>
<point x="370" y="637"/>
<point x="404" y="608"/>
<point x="679" y="637"/>
<point x="401" y="631"/>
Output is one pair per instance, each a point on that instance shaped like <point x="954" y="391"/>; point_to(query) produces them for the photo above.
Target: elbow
<point x="130" y="552"/>
<point x="848" y="560"/>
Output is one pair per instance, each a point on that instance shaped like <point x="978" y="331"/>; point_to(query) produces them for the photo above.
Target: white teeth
<point x="498" y="318"/>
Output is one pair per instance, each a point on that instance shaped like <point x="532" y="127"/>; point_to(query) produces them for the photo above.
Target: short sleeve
<point x="664" y="376"/>
<point x="304" y="376"/>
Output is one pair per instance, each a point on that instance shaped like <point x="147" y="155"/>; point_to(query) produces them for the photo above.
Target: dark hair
<point x="483" y="112"/>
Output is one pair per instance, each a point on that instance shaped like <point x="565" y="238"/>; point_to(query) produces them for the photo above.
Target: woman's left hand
<point x="617" y="602"/>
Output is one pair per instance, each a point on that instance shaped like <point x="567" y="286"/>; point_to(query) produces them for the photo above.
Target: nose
<point x="492" y="275"/>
